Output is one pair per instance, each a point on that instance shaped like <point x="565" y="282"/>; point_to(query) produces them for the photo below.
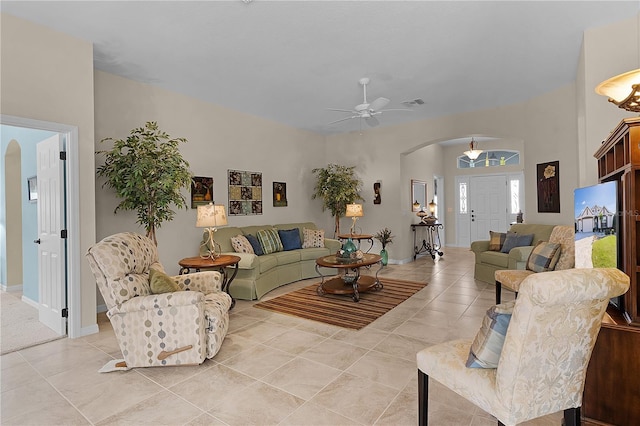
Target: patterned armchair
<point x="549" y="340"/>
<point x="511" y="279"/>
<point x="177" y="328"/>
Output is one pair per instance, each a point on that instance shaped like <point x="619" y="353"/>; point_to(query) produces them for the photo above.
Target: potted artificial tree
<point x="337" y="186"/>
<point x="147" y="172"/>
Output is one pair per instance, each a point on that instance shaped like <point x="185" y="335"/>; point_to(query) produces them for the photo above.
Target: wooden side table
<point x="220" y="263"/>
<point x="358" y="238"/>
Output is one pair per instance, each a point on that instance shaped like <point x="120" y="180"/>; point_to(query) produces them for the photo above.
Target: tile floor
<point x="272" y="369"/>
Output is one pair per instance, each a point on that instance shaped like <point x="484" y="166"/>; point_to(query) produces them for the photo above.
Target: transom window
<point x="491" y="158"/>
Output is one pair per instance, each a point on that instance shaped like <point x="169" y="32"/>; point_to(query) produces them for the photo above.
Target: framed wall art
<point x="245" y="193"/>
<point x="32" y="189"/>
<point x="548" y="181"/>
<point x="279" y="194"/>
<point x="201" y="191"/>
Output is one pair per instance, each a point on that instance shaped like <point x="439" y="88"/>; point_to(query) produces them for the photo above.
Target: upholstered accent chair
<point x="511" y="279"/>
<point x="173" y="328"/>
<point x="548" y="343"/>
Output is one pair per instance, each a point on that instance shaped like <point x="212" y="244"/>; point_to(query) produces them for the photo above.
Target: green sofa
<point x="488" y="262"/>
<point x="258" y="275"/>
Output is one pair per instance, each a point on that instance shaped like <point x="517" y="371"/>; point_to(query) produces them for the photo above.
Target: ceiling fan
<point x="366" y="110"/>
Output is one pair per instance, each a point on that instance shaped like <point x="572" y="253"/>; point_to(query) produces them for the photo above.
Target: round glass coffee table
<point x="348" y="281"/>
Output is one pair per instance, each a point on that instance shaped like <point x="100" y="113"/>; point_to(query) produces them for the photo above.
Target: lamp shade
<point x="473" y="153"/>
<point x="354" y="210"/>
<point x="432" y="207"/>
<point x="623" y="90"/>
<point x="211" y="215"/>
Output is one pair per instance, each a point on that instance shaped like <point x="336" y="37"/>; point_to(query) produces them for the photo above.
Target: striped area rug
<point x="341" y="310"/>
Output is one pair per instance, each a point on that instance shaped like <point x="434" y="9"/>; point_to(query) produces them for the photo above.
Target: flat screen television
<point x="596" y="225"/>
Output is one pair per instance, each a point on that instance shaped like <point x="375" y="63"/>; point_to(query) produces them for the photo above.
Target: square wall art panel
<point x="245" y="193"/>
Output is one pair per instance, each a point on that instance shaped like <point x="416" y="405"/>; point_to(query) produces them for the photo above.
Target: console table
<point x="430" y="233"/>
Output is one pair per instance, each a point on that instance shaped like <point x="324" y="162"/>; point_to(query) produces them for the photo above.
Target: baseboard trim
<point x="86" y="331"/>
<point x="30" y="302"/>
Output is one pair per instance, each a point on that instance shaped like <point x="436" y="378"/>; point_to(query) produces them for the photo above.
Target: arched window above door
<point x="490" y="158"/>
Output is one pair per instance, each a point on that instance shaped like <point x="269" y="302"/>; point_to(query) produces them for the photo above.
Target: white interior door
<point x="51" y="245"/>
<point x="488" y="205"/>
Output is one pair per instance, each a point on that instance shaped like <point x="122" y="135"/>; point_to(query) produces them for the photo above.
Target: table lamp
<point x="354" y="211"/>
<point x="211" y="216"/>
<point x="432" y="213"/>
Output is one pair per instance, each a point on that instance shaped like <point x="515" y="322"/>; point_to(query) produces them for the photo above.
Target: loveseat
<point x="489" y="261"/>
<point x="259" y="274"/>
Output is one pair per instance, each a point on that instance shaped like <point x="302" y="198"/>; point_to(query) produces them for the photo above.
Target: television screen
<point x="596" y="223"/>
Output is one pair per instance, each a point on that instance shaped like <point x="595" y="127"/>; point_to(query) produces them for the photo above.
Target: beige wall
<point x="546" y="125"/>
<point x="219" y="140"/>
<point x="48" y="76"/>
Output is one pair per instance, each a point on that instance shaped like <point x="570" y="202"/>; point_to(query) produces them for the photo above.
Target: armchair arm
<point x="156" y="301"/>
<point x="332" y="244"/>
<point x="479" y="246"/>
<point x="205" y="282"/>
<point x="518" y="257"/>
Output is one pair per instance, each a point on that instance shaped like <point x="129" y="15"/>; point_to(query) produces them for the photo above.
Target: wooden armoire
<point x="612" y="387"/>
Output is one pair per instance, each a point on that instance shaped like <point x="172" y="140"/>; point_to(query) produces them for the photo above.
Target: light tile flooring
<point x="272" y="369"/>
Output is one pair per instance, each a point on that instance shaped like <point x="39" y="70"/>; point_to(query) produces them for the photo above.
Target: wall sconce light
<point x="623" y="90"/>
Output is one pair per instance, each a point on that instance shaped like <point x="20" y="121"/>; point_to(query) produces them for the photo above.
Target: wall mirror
<point x="418" y="195"/>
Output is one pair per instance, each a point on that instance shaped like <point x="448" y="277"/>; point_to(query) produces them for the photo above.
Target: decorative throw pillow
<point x="516" y="240"/>
<point x="161" y="282"/>
<point x="269" y="240"/>
<point x="496" y="240"/>
<point x="290" y="239"/>
<point x="241" y="244"/>
<point x="255" y="244"/>
<point x="544" y="257"/>
<point x="487" y="346"/>
<point x="313" y="238"/>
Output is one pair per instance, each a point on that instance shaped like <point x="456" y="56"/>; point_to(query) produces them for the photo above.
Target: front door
<point x="51" y="245"/>
<point x="487" y="206"/>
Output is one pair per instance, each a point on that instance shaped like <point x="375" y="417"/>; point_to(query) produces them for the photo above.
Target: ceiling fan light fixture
<point x="473" y="153"/>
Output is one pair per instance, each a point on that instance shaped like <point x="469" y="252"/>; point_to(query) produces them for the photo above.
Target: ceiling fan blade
<point x="396" y="109"/>
<point x="378" y="104"/>
<point x="343" y="119"/>
<point x="372" y="121"/>
<point x="341" y="110"/>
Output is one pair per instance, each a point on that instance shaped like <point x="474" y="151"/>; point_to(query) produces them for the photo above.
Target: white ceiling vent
<point x="413" y="102"/>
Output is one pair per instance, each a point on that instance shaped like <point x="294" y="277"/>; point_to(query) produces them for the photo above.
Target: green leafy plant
<point x="384" y="236"/>
<point x="337" y="186"/>
<point x="147" y="172"/>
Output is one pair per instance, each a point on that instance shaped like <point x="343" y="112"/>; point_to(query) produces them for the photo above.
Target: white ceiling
<point x="288" y="61"/>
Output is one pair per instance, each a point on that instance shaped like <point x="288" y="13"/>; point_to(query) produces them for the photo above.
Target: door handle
<point x="37" y="241"/>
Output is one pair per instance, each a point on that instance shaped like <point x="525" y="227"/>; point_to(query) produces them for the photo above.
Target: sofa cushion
<point x="223" y="237"/>
<point x="161" y="282"/>
<point x="494" y="258"/>
<point x="313" y="238"/>
<point x="516" y="240"/>
<point x="287" y="257"/>
<point x="544" y="257"/>
<point x="255" y="244"/>
<point x="487" y="345"/>
<point x="267" y="262"/>
<point x="313" y="253"/>
<point x="241" y="244"/>
<point x="269" y="240"/>
<point x="290" y="239"/>
<point x="496" y="240"/>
